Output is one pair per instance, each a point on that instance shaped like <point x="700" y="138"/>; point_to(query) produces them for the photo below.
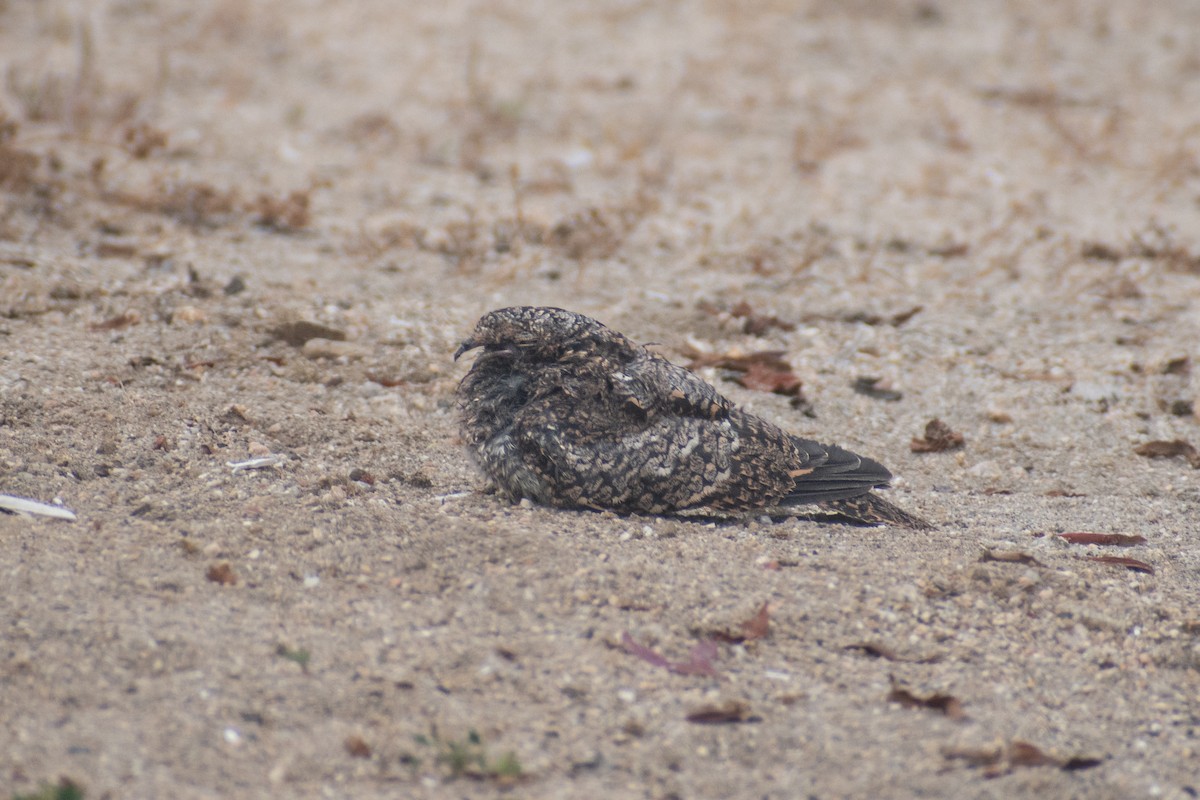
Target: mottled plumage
<point x="564" y="411"/>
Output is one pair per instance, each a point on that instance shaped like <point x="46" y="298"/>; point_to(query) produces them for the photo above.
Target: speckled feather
<point x="564" y="411"/>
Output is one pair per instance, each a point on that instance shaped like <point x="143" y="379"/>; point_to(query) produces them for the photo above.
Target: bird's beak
<point x="467" y="344"/>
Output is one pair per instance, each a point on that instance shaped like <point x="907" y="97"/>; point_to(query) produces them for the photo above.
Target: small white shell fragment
<point x="21" y="505"/>
<point x="256" y="463"/>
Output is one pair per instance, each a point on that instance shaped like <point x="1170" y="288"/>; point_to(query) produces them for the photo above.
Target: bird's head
<point x="536" y="333"/>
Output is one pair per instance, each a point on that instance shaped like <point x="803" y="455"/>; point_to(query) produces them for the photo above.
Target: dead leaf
<point x="298" y="332"/>
<point x="357" y="747"/>
<point x="1009" y="557"/>
<point x="699" y="659"/>
<point x="976" y="756"/>
<point x="764" y="371"/>
<point x="1162" y="449"/>
<point x="1116" y="539"/>
<point x="877" y="650"/>
<point x="1001" y="759"/>
<point x="757" y="324"/>
<point x="1122" y="561"/>
<point x="738" y="362"/>
<point x="222" y="573"/>
<point x="874" y="388"/>
<point x="721" y="713"/>
<point x="869" y="318"/>
<point x="758" y="626"/>
<point x="1024" y="754"/>
<point x="283" y="214"/>
<point x="1177" y="366"/>
<point x="1099" y="251"/>
<point x="117" y="323"/>
<point x="385" y="381"/>
<point x="947" y="704"/>
<point x="765" y="378"/>
<point x="938" y="438"/>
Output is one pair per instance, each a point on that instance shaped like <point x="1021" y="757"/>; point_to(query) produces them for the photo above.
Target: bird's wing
<point x="837" y="474"/>
<point x="656" y="386"/>
<point x="659" y="463"/>
<point x="821" y="472"/>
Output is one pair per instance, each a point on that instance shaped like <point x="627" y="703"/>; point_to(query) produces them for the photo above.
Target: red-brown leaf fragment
<point x="1024" y="754"/>
<point x="357" y="747"/>
<point x="699" y="659"/>
<point x="764" y="371"/>
<point x="764" y="378"/>
<point x="297" y="332"/>
<point x="1122" y="561"/>
<point x="976" y="756"/>
<point x="757" y="324"/>
<point x="1115" y="539"/>
<point x="222" y="573"/>
<point x="739" y="363"/>
<point x="758" y="626"/>
<point x="939" y="437"/>
<point x="1009" y="557"/>
<point x="1163" y="449"/>
<point x="718" y="713"/>
<point x="877" y="650"/>
<point x="117" y="322"/>
<point x="947" y="704"/>
<point x="1001" y="759"/>
<point x="876" y="388"/>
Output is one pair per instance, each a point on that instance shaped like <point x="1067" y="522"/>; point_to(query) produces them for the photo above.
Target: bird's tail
<point x="871" y="509"/>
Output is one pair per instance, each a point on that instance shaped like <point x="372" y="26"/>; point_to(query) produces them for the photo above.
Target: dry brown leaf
<point x="1009" y="557"/>
<point x="1163" y="449"/>
<point x="938" y="438"/>
<point x="117" y="323"/>
<point x="1122" y="561"/>
<point x="699" y="659"/>
<point x="1000" y="760"/>
<point x="357" y="747"/>
<point x="738" y="363"/>
<point x="1024" y="754"/>
<point x="876" y="388"/>
<point x="298" y="332"/>
<point x="764" y="371"/>
<point x="758" y="626"/>
<point x="757" y="324"/>
<point x="283" y="214"/>
<point x="222" y="573"/>
<point x="947" y="704"/>
<point x="763" y="378"/>
<point x="718" y="713"/>
<point x="976" y="756"/>
<point x="877" y="650"/>
<point x="1116" y="539"/>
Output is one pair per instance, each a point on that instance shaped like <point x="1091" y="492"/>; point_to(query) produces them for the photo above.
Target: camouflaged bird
<point x="564" y="411"/>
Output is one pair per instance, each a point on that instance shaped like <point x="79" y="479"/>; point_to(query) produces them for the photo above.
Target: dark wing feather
<point x="658" y="386"/>
<point x="659" y="463"/>
<point x="837" y="474"/>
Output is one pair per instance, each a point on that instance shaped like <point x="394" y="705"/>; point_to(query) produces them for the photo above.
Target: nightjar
<point x="564" y="411"/>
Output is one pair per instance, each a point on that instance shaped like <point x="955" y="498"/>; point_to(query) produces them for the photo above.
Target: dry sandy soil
<point x="992" y="207"/>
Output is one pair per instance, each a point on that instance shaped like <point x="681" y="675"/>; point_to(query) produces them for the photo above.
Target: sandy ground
<point x="992" y="207"/>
